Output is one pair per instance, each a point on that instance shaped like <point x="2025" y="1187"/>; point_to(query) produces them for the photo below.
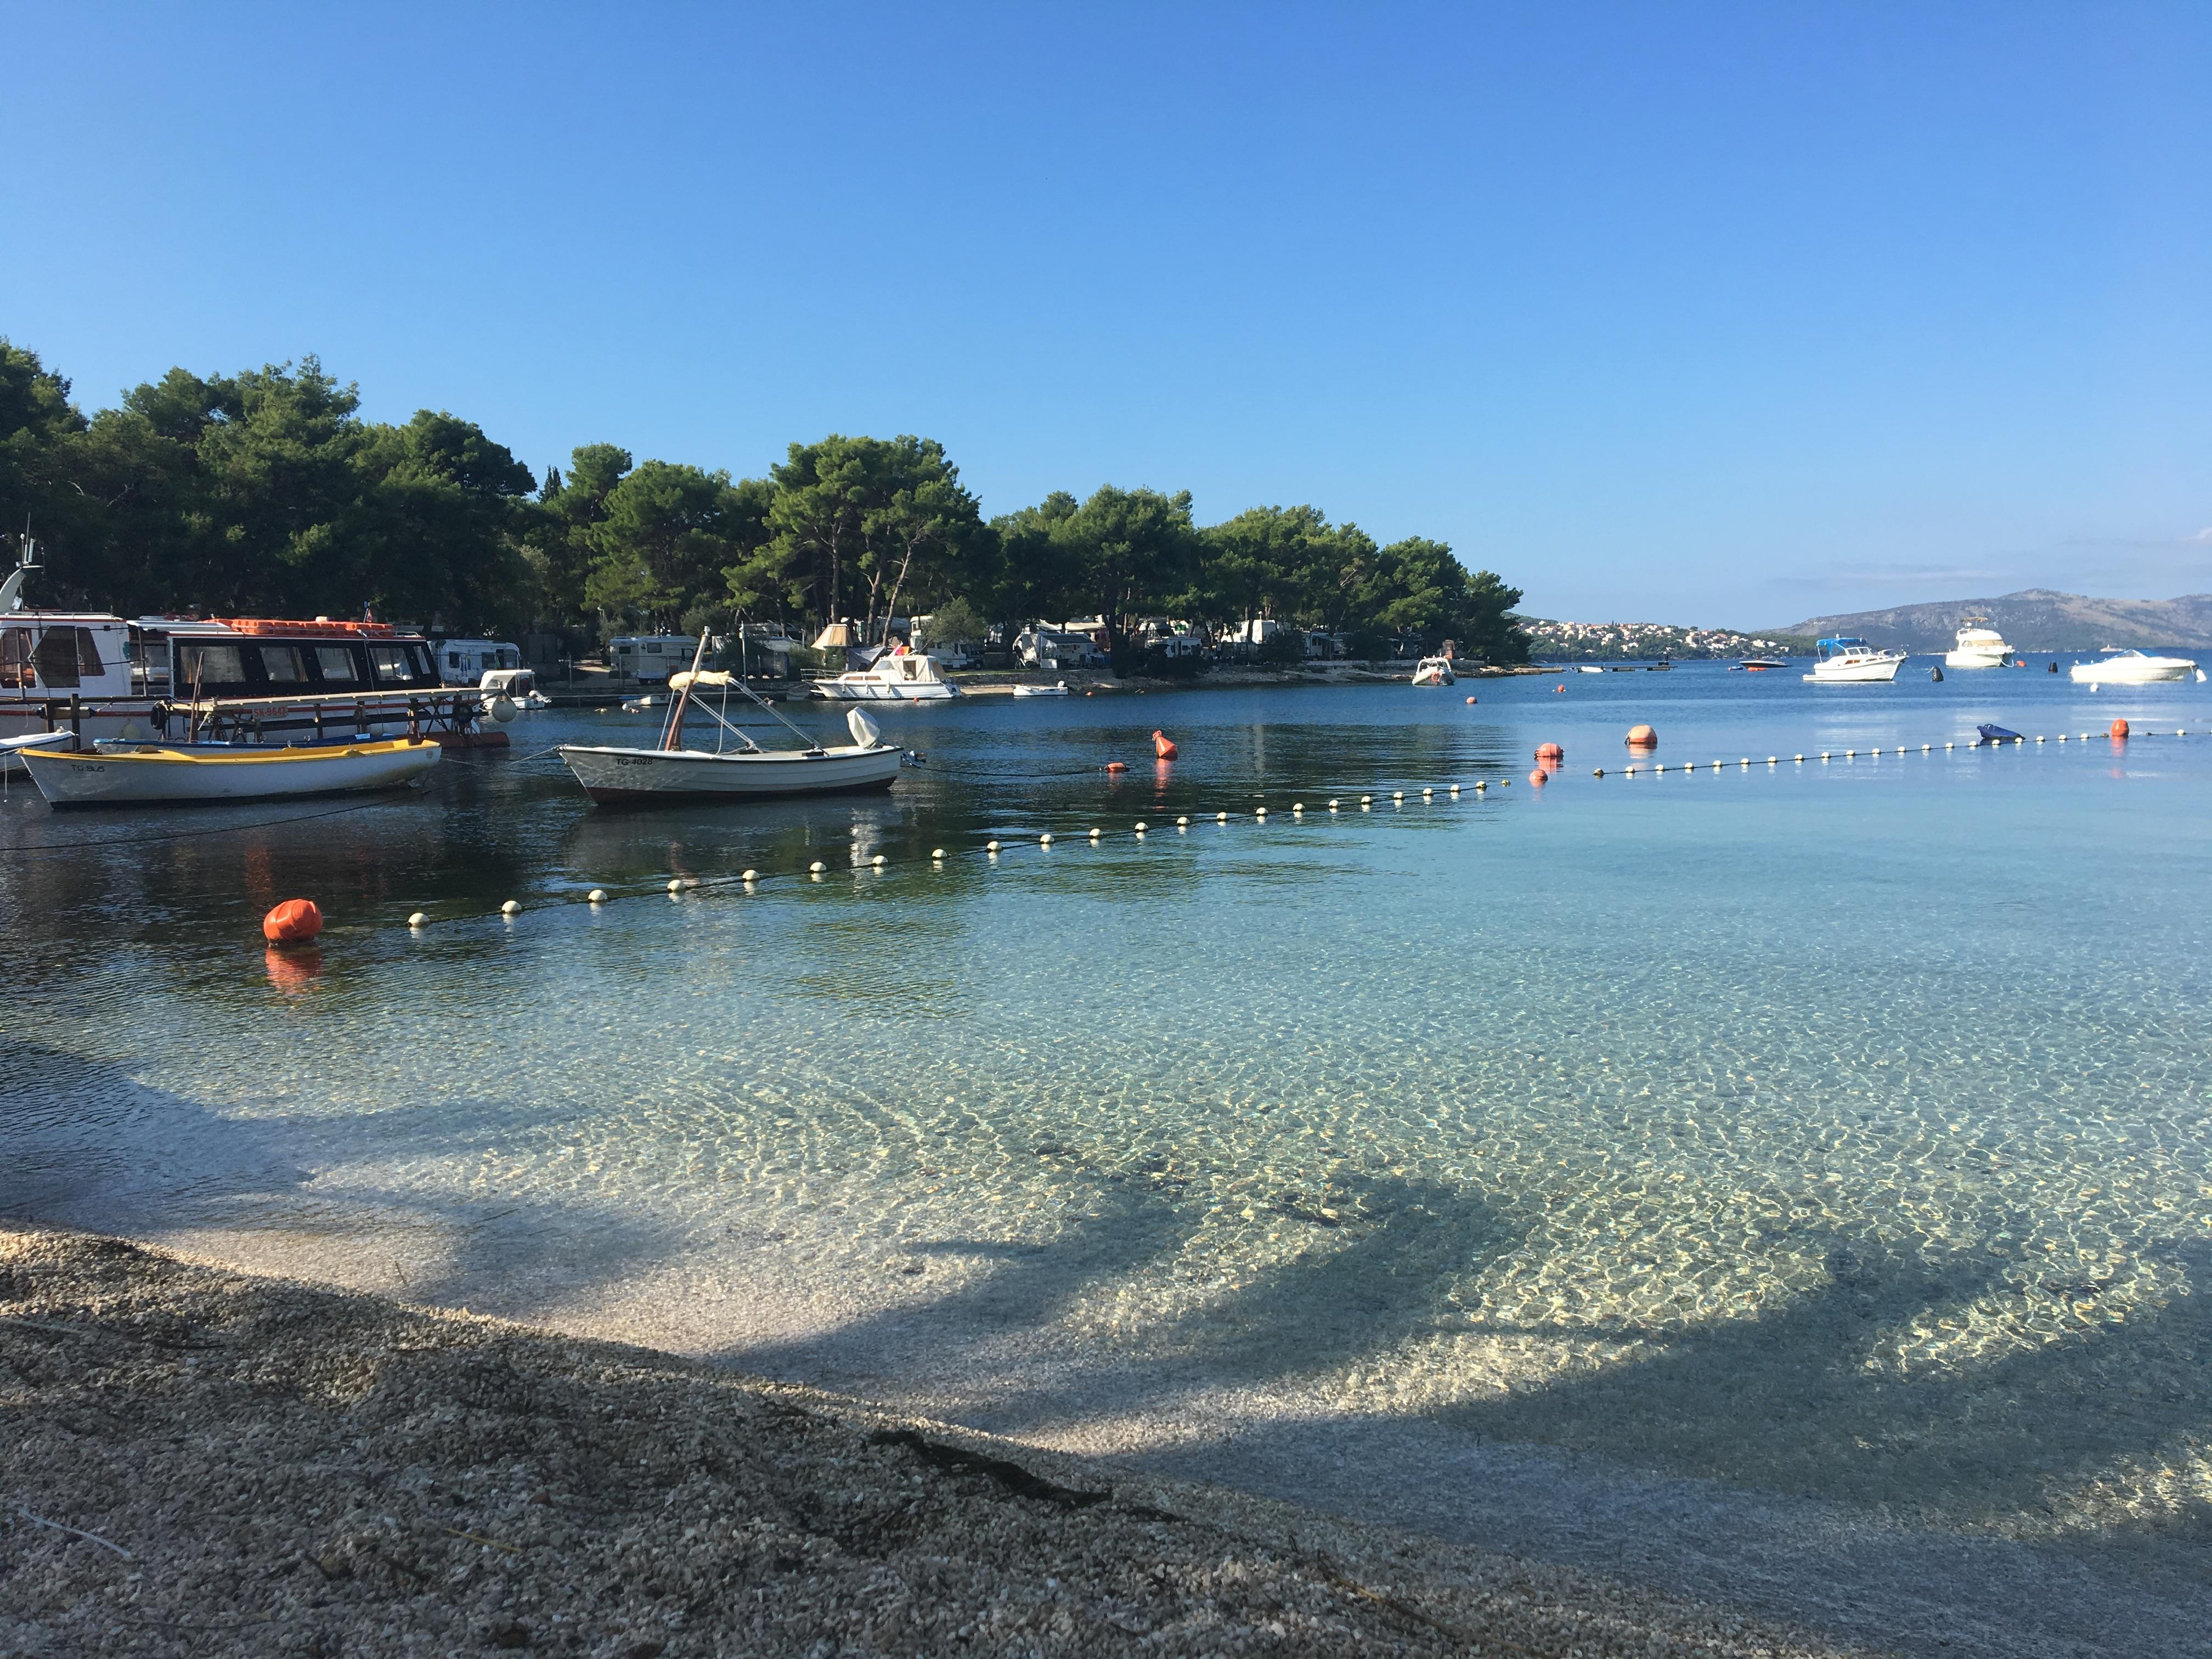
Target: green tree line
<point x="266" y="493"/>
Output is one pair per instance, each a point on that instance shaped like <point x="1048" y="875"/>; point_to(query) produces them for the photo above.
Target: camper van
<point x="466" y="662"/>
<point x="651" y="658"/>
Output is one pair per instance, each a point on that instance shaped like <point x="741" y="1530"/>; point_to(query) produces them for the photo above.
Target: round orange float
<point x="1550" y="752"/>
<point x="1470" y="701"/>
<point x="1642" y="736"/>
<point x="1117" y="766"/>
<point x="1162" y="746"/>
<point x="292" y="922"/>
<point x="1539" y="777"/>
<point x="2120" y="729"/>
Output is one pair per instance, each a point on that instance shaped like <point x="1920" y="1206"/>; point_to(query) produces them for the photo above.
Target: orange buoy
<point x="1550" y="752"/>
<point x="2120" y="729"/>
<point x="1642" y="736"/>
<point x="1162" y="746"/>
<point x="1539" y="777"/>
<point x="1117" y="766"/>
<point x="1470" y="701"/>
<point x="292" y="921"/>
<point x="1558" y="688"/>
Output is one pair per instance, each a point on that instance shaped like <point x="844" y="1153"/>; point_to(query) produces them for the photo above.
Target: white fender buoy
<point x="597" y="895"/>
<point x="750" y="876"/>
<point x="1481" y="786"/>
<point x="674" y="885"/>
<point x="2039" y="737"/>
<point x="2061" y="737"/>
<point x="818" y="867"/>
<point x="1397" y="795"/>
<point x="1455" y="789"/>
<point x="988" y="846"/>
<point x="511" y="907"/>
<point x="1332" y="805"/>
<point x="1950" y="745"/>
<point x="880" y="859"/>
<point x="1221" y="817"/>
<point x="1140" y="826"/>
<point x="1849" y="754"/>
<point x="1182" y="821"/>
<point x="1771" y="760"/>
<point x="938" y="852"/>
<point x="865" y="733"/>
<point x="1660" y="769"/>
<point x="1095" y="832"/>
<point x="418" y="919"/>
<point x="1425" y="794"/>
<point x="1797" y="760"/>
<point x="501" y="709"/>
<point x="1925" y="747"/>
<point x="1631" y="772"/>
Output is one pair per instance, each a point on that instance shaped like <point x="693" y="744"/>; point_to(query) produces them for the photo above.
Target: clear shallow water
<point x="1836" y="1130"/>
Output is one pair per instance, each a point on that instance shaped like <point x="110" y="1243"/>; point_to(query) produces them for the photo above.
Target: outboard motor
<point x="1936" y="675"/>
<point x="865" y="733"/>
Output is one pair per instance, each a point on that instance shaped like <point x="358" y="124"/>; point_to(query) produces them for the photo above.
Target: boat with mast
<point x="671" y="771"/>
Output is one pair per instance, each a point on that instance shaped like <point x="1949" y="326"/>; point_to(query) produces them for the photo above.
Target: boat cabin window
<point x="209" y="666"/>
<point x="390" y="662"/>
<point x="56" y="659"/>
<point x="88" y="655"/>
<point x="15" y="673"/>
<point x="336" y="665"/>
<point x="282" y="666"/>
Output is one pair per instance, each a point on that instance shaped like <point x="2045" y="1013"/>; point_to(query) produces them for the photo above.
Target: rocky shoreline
<point x="198" y="1461"/>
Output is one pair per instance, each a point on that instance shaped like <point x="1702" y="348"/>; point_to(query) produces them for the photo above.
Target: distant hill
<point x="2034" y="619"/>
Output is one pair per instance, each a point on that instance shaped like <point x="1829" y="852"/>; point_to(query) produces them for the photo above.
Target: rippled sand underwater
<point x="1830" y="1132"/>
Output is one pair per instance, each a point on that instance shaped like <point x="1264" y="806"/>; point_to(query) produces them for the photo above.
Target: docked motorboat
<point x="1846" y="661"/>
<point x="1433" y="670"/>
<point x="671" y="772"/>
<point x="2133" y="668"/>
<point x="1978" y="645"/>
<point x="1058" y="690"/>
<point x="900" y="675"/>
<point x="121" y="773"/>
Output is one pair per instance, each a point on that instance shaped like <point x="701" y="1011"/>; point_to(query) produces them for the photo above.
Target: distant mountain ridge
<point x="2033" y="619"/>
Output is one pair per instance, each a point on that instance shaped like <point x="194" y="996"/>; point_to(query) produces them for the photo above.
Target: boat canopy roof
<point x="1836" y="642"/>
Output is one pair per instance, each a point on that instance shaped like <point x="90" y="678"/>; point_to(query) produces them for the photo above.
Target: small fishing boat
<point x="121" y="773"/>
<point x="1763" y="664"/>
<point x="1433" y="670"/>
<point x="1846" y="661"/>
<point x="2132" y="668"/>
<point x="1978" y="645"/>
<point x="618" y="776"/>
<point x="1056" y="691"/>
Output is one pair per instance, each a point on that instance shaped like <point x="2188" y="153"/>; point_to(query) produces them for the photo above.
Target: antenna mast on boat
<point x="11" y="591"/>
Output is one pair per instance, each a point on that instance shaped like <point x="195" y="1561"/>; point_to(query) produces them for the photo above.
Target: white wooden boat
<point x="1433" y="670"/>
<point x="2132" y="668"/>
<point x="905" y="676"/>
<point x="118" y="774"/>
<point x="613" y="775"/>
<point x="1843" y="661"/>
<point x="1058" y="690"/>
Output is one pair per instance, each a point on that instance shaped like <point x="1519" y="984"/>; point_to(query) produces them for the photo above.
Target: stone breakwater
<point x="198" y="1461"/>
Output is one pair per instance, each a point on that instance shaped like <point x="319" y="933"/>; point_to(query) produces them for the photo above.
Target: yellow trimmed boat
<point x="117" y="774"/>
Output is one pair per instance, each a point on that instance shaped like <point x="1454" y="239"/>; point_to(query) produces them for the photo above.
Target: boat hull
<point x="2105" y="673"/>
<point x="150" y="774"/>
<point x="1975" y="658"/>
<point x="850" y="691"/>
<point x="642" y="776"/>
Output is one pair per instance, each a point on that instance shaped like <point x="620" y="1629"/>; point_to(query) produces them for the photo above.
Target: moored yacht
<point x="900" y="675"/>
<point x="1978" y="645"/>
<point x="1433" y="670"/>
<point x="1843" y="661"/>
<point x="2133" y="668"/>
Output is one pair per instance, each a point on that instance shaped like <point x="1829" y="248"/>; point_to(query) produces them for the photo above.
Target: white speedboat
<point x="1978" y="645"/>
<point x="2133" y="668"/>
<point x="1845" y="661"/>
<point x="671" y="772"/>
<point x="1434" y="670"/>
<point x="118" y="773"/>
<point x="1589" y="668"/>
<point x="903" y="676"/>
<point x="1058" y="690"/>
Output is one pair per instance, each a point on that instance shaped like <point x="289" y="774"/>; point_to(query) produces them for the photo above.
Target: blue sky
<point x="1722" y="314"/>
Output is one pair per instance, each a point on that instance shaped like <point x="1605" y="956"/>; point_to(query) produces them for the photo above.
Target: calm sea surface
<point x="1836" y="1130"/>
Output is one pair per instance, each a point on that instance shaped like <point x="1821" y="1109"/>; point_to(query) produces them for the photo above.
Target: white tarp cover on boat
<point x="866" y="732"/>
